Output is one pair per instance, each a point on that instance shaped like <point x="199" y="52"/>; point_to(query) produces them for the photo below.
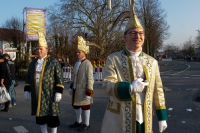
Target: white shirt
<point x="78" y="63"/>
<point x="40" y="64"/>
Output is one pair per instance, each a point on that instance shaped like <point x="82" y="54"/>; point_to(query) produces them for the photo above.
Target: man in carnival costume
<point x="44" y="81"/>
<point x="81" y="88"/>
<point x="132" y="80"/>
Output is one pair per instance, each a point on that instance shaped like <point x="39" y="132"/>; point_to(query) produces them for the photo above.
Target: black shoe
<point x="76" y="124"/>
<point x="4" y="110"/>
<point x="84" y="127"/>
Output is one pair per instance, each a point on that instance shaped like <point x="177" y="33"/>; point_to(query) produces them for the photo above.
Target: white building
<point x="6" y="41"/>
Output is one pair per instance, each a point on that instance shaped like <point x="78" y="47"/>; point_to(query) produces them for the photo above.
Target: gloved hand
<point x="26" y="95"/>
<point x="70" y="91"/>
<point x="87" y="97"/>
<point x="57" y="97"/>
<point x="162" y="126"/>
<point x="138" y="86"/>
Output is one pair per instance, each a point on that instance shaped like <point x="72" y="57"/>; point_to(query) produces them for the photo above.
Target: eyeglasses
<point x="134" y="33"/>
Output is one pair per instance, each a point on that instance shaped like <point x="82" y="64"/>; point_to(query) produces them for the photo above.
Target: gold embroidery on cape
<point x="40" y="86"/>
<point x="59" y="85"/>
<point x="147" y="110"/>
<point x="160" y="107"/>
<point x="133" y="102"/>
<point x="117" y="110"/>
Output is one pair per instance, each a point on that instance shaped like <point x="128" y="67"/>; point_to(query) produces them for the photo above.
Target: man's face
<point x="80" y="54"/>
<point x="42" y="51"/>
<point x="134" y="39"/>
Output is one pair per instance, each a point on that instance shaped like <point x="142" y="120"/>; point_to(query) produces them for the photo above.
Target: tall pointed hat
<point x="133" y="21"/>
<point x="42" y="40"/>
<point x="82" y="45"/>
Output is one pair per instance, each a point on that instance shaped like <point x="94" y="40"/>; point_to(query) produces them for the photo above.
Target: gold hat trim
<point x="82" y="45"/>
<point x="133" y="21"/>
<point x="42" y="40"/>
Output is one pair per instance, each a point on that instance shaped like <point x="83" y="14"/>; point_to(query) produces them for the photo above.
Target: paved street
<point x="183" y="78"/>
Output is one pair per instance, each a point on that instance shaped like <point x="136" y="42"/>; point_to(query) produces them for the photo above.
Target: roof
<point x="9" y="34"/>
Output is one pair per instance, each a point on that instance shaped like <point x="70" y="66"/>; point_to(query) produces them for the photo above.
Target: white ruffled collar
<point x="134" y="53"/>
<point x="40" y="61"/>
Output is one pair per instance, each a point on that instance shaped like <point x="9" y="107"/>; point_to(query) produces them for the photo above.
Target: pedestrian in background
<point x="12" y="91"/>
<point x="5" y="78"/>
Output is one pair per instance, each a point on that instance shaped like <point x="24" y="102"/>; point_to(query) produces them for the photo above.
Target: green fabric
<point x="161" y="114"/>
<point x="123" y="91"/>
<point x="51" y="77"/>
<point x="139" y="127"/>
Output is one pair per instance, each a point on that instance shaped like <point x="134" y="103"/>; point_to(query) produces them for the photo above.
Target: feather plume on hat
<point x="84" y="45"/>
<point x="133" y="21"/>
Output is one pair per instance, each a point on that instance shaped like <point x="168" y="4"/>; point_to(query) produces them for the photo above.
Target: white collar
<point x="134" y="53"/>
<point x="42" y="58"/>
<point x="81" y="59"/>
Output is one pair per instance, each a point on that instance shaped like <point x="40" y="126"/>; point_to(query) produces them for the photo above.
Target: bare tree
<point x="197" y="39"/>
<point x="80" y="17"/>
<point x="93" y="18"/>
<point x="14" y="35"/>
<point x="188" y="47"/>
<point x="153" y="18"/>
<point x="171" y="48"/>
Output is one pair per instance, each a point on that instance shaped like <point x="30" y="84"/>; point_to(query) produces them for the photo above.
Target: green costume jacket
<point x="120" y="116"/>
<point x="50" y="82"/>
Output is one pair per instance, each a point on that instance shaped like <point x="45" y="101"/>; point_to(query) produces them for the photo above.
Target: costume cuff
<point x="59" y="88"/>
<point x="89" y="92"/>
<point x="27" y="88"/>
<point x="122" y="91"/>
<point x="161" y="113"/>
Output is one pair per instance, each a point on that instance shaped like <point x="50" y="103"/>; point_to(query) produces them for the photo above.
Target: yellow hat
<point x="42" y="40"/>
<point x="133" y="21"/>
<point x="82" y="45"/>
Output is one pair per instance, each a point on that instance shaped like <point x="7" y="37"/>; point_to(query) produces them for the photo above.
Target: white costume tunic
<point x="123" y="105"/>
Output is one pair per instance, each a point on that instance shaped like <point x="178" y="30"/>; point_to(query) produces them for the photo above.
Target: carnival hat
<point x="82" y="45"/>
<point x="133" y="21"/>
<point x="42" y="40"/>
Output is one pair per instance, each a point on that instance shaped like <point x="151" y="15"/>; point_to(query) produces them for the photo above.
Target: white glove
<point x="87" y="97"/>
<point x="26" y="95"/>
<point x="57" y="97"/>
<point x="138" y="86"/>
<point x="162" y="126"/>
<point x="70" y="91"/>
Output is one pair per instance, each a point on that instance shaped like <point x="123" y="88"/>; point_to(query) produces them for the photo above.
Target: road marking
<point x="21" y="129"/>
<point x="183" y="70"/>
<point x="166" y="71"/>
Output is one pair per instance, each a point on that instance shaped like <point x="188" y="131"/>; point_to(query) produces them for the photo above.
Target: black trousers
<point x="7" y="105"/>
<point x="51" y="121"/>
